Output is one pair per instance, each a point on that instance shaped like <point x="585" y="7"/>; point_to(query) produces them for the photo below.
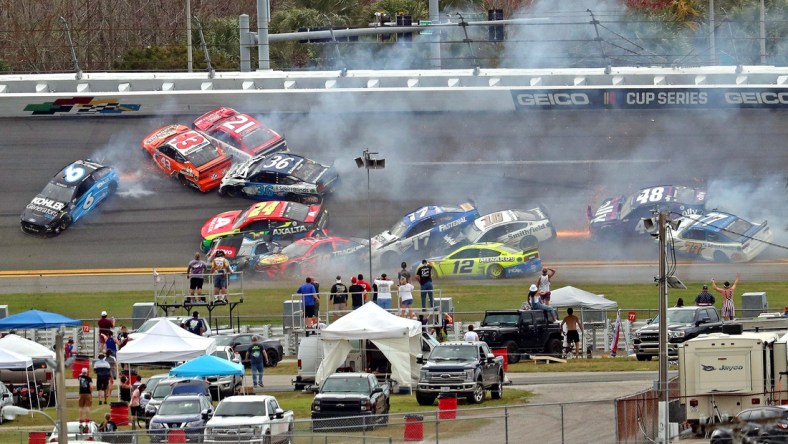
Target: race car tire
<point x="721" y="258"/>
<point x="528" y="243"/>
<point x="292" y="271"/>
<point x="495" y="271"/>
<point x="64" y="223"/>
<point x="512" y="351"/>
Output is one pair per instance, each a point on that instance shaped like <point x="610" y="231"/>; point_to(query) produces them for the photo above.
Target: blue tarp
<point x="207" y="365"/>
<point x="36" y="319"/>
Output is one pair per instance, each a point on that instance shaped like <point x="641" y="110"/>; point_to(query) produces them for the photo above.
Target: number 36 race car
<point x="75" y="191"/>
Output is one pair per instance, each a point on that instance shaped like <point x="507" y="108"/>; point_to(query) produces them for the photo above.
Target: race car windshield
<point x="203" y="155"/>
<point x="472" y="233"/>
<point x="399" y="229"/>
<point x="684" y="195"/>
<point x="626" y="208"/>
<point x="736" y="230"/>
<point x="295" y="250"/>
<point x="59" y="193"/>
<point x="258" y="137"/>
<point x="308" y="171"/>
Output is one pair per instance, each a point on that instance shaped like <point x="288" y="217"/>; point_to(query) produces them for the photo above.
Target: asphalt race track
<point x="563" y="160"/>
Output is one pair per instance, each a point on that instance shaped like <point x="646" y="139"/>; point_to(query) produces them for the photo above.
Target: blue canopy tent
<point x="208" y="365"/>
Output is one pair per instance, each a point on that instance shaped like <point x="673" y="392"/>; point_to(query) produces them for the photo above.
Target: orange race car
<point x="188" y="155"/>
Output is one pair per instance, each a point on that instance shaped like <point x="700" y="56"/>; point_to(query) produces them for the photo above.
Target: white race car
<point x="519" y="228"/>
<point x="720" y="237"/>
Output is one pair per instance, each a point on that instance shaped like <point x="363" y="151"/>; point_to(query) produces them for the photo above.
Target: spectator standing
<point x="123" y="336"/>
<point x="572" y="325"/>
<point x="69" y="354"/>
<point x="111" y="344"/>
<point x="196" y="324"/>
<point x="220" y="269"/>
<point x="339" y="294"/>
<point x="405" y="292"/>
<point x="704" y="298"/>
<point x="356" y="293"/>
<point x="125" y="388"/>
<point x="317" y="296"/>
<point x="257" y="360"/>
<point x="470" y="335"/>
<point x="384" y="291"/>
<point x="85" y="396"/>
<point x="134" y="405"/>
<point x="309" y="294"/>
<point x="403" y="273"/>
<point x="105" y="325"/>
<point x="424" y="274"/>
<point x="543" y="283"/>
<point x="195" y="272"/>
<point x="727" y="290"/>
<point x="367" y="286"/>
<point x="103" y="373"/>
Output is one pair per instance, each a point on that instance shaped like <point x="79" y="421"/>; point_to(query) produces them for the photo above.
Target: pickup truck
<point x="254" y="419"/>
<point x="349" y="401"/>
<point x="464" y="368"/>
<point x="43" y="374"/>
<point x="229" y="385"/>
<point x="521" y="331"/>
<point x="684" y="323"/>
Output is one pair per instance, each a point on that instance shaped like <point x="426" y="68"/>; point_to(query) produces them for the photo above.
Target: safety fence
<point x="637" y="415"/>
<point x="563" y="423"/>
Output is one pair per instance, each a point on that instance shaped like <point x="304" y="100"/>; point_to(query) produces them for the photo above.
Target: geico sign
<point x="548" y="99"/>
<point x="756" y="98"/>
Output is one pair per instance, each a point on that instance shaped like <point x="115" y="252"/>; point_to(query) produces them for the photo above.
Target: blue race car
<point x="622" y="217"/>
<point x="74" y="192"/>
<point x="280" y="176"/>
<point x="425" y="232"/>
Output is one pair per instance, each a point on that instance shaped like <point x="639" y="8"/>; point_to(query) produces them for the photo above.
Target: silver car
<point x="524" y="229"/>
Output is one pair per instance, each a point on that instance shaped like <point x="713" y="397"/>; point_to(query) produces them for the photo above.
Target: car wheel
<point x="478" y="394"/>
<point x="289" y="437"/>
<point x="528" y="243"/>
<point x="64" y="223"/>
<point x="495" y="271"/>
<point x="229" y="191"/>
<point x="720" y="257"/>
<point x="425" y="399"/>
<point x="554" y="346"/>
<point x="273" y="357"/>
<point x="267" y="438"/>
<point x="643" y="357"/>
<point x="497" y="391"/>
<point x="512" y="351"/>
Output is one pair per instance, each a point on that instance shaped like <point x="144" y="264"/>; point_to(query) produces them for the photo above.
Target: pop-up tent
<point x="207" y="365"/>
<point x="36" y="319"/>
<point x="165" y="342"/>
<point x="11" y="360"/>
<point x="26" y="347"/>
<point x="574" y="297"/>
<point x="399" y="339"/>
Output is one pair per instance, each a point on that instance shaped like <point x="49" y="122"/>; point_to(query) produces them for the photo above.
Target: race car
<point x="720" y="237"/>
<point x="275" y="221"/>
<point x="241" y="249"/>
<point x="427" y="231"/>
<point x="74" y="192"/>
<point x="490" y="259"/>
<point x="188" y="155"/>
<point x="312" y="254"/>
<point x="521" y="228"/>
<point x="621" y="217"/>
<point x="280" y="176"/>
<point x="243" y="133"/>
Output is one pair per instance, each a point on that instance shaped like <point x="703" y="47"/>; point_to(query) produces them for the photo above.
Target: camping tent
<point x="574" y="297"/>
<point x="165" y="342"/>
<point x="26" y="347"/>
<point x="399" y="339"/>
<point x="208" y="365"/>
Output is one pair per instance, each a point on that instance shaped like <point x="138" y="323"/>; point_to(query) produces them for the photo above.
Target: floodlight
<point x="675" y="282"/>
<point x="360" y="162"/>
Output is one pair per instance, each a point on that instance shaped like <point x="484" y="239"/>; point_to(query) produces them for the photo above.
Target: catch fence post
<point x="506" y="424"/>
<point x="562" y="423"/>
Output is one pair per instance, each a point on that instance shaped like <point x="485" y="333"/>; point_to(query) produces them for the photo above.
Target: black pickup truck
<point x="351" y="401"/>
<point x="463" y="368"/>
<point x="521" y="331"/>
<point x="684" y="323"/>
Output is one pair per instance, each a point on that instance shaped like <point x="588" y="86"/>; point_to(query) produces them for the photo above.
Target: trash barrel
<point x="37" y="438"/>
<point x="505" y="354"/>
<point x="414" y="428"/>
<point x="119" y="412"/>
<point x="176" y="436"/>
<point x="78" y="365"/>
<point x="447" y="406"/>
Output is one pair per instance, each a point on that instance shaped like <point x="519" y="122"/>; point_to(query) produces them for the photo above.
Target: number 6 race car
<point x="75" y="191"/>
<point x="187" y="155"/>
<point x="720" y="237"/>
<point x="492" y="259"/>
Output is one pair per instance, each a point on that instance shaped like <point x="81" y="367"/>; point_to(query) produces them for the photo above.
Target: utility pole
<point x="664" y="398"/>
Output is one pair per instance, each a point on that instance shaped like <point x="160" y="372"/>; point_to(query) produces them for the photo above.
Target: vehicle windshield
<point x="677" y="317"/>
<point x="501" y="319"/>
<point x="472" y="233"/>
<point x="222" y="341"/>
<point x="736" y="230"/>
<point x="202" y="155"/>
<point x="308" y="171"/>
<point x="399" y="229"/>
<point x="684" y="195"/>
<point x="626" y="208"/>
<point x="59" y="193"/>
<point x="161" y="391"/>
<point x="153" y="382"/>
<point x="345" y="385"/>
<point x="220" y="354"/>
<point x="258" y="137"/>
<point x="240" y="409"/>
<point x="454" y="353"/>
<point x="179" y="407"/>
<point x="296" y="249"/>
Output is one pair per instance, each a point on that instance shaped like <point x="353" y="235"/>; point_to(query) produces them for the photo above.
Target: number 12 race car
<point x="492" y="259"/>
<point x="74" y="192"/>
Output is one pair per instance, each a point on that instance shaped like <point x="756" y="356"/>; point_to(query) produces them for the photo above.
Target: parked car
<point x="755" y="425"/>
<point x="173" y="386"/>
<point x="240" y="343"/>
<point x="349" y="401"/>
<point x="520" y="332"/>
<point x="18" y="381"/>
<point x="78" y="431"/>
<point x="229" y="385"/>
<point x="189" y="413"/>
<point x="684" y="323"/>
<point x="254" y="419"/>
<point x="466" y="369"/>
<point x="6" y="398"/>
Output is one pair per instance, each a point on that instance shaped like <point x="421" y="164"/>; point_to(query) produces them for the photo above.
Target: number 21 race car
<point x="74" y="192"/>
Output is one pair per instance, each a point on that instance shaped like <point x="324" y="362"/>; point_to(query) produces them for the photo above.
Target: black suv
<point x="684" y="323"/>
<point x="521" y="332"/>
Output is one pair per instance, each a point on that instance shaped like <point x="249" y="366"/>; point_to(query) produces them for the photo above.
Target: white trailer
<point x="720" y="375"/>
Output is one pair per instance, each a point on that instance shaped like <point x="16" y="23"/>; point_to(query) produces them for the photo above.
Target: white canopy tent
<point x="12" y="360"/>
<point x="26" y="347"/>
<point x="165" y="342"/>
<point x="399" y="339"/>
<point x="574" y="297"/>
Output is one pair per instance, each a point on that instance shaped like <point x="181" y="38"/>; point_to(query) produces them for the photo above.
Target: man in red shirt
<point x="367" y="286"/>
<point x="105" y="326"/>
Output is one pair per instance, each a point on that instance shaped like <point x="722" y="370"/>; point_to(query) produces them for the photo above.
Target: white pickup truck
<point x="249" y="419"/>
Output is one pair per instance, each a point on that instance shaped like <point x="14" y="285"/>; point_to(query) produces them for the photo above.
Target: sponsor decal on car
<point x="452" y="224"/>
<point x="289" y="230"/>
<point x="49" y="203"/>
<point x="497" y="259"/>
<point x="43" y="210"/>
<point x="529" y="230"/>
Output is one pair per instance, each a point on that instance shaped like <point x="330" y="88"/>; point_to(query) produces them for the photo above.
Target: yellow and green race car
<point x="492" y="259"/>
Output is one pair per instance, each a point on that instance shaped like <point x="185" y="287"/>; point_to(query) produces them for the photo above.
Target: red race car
<point x="312" y="254"/>
<point x="188" y="155"/>
<point x="241" y="132"/>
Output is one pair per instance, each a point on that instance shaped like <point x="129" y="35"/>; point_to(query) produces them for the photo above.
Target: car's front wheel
<point x="63" y="224"/>
<point x="229" y="191"/>
<point x="495" y="271"/>
<point x="497" y="391"/>
<point x="512" y="352"/>
<point x="477" y="397"/>
<point x="273" y="357"/>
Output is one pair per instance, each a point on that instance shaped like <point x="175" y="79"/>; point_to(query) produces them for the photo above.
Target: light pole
<point x="370" y="163"/>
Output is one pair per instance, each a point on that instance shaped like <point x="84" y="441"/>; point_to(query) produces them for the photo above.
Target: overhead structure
<point x="165" y="342"/>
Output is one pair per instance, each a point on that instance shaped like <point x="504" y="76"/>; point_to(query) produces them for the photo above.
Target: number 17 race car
<point x="74" y="192"/>
<point x="720" y="237"/>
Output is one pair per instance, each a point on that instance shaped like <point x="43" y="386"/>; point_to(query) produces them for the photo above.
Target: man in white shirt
<point x="471" y="336"/>
<point x="384" y="291"/>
